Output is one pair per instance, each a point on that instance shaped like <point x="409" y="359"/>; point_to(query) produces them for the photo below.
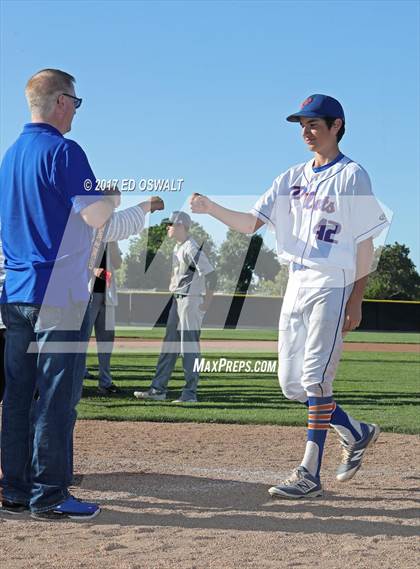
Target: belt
<point x="298" y="267"/>
<point x="180" y="295"/>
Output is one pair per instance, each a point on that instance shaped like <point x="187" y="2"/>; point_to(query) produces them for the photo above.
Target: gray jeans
<point x="182" y="337"/>
<point x="102" y="318"/>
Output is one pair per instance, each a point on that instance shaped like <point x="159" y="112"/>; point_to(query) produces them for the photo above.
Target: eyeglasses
<point x="76" y="101"/>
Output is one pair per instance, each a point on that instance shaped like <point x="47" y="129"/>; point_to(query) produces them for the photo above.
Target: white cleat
<point x="151" y="395"/>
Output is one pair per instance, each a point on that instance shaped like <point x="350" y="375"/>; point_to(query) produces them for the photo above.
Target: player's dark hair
<point x="330" y="122"/>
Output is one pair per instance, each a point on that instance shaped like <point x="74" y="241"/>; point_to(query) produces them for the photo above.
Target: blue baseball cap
<point x="319" y="106"/>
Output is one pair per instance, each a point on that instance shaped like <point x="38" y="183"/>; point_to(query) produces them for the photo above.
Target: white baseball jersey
<point x="189" y="267"/>
<point x="319" y="215"/>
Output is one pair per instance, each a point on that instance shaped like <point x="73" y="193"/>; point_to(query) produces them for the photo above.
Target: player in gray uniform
<point x="324" y="217"/>
<point x="192" y="283"/>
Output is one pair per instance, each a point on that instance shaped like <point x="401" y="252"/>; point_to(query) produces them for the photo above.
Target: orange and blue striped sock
<point x="320" y="410"/>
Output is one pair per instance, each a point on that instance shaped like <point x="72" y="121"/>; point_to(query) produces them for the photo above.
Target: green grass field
<point x="379" y="387"/>
<point x="214" y="334"/>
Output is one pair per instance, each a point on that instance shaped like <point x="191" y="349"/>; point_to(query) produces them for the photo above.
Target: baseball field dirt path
<point x="252" y="346"/>
<point x="194" y="496"/>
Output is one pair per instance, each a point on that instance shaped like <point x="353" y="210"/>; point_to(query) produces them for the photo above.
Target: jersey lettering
<point x="309" y="200"/>
<point x="321" y="204"/>
<point x="326" y="229"/>
<point x="298" y="191"/>
<point x="320" y="217"/>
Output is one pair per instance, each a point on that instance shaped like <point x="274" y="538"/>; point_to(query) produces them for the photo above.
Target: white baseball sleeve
<point x="266" y="207"/>
<point x="367" y="216"/>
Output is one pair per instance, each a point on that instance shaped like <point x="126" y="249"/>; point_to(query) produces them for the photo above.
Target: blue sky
<point x="200" y="90"/>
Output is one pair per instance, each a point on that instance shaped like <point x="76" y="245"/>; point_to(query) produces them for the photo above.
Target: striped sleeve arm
<point x="125" y="223"/>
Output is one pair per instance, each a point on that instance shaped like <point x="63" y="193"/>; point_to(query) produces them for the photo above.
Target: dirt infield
<point x="194" y="496"/>
<point x="252" y="346"/>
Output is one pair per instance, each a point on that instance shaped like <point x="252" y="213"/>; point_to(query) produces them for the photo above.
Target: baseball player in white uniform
<point x="193" y="281"/>
<point x="324" y="217"/>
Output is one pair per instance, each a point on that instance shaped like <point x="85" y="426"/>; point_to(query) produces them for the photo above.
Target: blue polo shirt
<point x="46" y="243"/>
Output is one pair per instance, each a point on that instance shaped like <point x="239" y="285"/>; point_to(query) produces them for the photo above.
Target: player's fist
<point x="151" y="205"/>
<point x="156" y="204"/>
<point x="200" y="204"/>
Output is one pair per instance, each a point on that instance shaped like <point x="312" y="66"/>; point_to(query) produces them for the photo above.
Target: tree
<point x="153" y="239"/>
<point x="277" y="286"/>
<point x="148" y="262"/>
<point x="396" y="277"/>
<point x="243" y="262"/>
<point x="147" y="271"/>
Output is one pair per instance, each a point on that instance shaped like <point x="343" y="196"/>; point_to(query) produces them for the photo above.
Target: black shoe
<point x="13" y="507"/>
<point x="110" y="390"/>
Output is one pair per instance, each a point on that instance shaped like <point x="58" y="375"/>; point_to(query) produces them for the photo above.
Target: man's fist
<point x="156" y="204"/>
<point x="151" y="205"/>
<point x="199" y="203"/>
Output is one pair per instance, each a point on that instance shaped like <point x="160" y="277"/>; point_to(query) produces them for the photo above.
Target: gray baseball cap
<point x="180" y="218"/>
